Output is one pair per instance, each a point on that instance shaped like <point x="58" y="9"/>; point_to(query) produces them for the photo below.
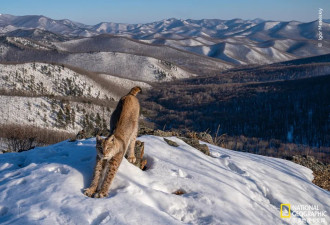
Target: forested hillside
<point x="259" y="109"/>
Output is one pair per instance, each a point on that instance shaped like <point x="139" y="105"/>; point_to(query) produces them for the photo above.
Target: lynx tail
<point x="135" y="90"/>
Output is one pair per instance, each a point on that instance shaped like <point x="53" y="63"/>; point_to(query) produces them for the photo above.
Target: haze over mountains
<point x="234" y="42"/>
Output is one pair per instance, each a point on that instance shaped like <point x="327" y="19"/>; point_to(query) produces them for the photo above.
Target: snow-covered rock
<point x="45" y="186"/>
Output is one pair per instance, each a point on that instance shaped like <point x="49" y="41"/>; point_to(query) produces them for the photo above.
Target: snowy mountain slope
<point x="37" y="34"/>
<point x="244" y="51"/>
<point x="215" y="28"/>
<point x="235" y="50"/>
<point x="130" y="66"/>
<point x="184" y="43"/>
<point x="65" y="27"/>
<point x="255" y="29"/>
<point x="107" y="43"/>
<point x="124" y="83"/>
<point x="36" y="93"/>
<point x="248" y="54"/>
<point x="43" y="112"/>
<point x="134" y="61"/>
<point x="47" y="79"/>
<point x="45" y="186"/>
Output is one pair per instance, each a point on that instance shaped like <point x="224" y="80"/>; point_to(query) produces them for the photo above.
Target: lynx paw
<point x="88" y="192"/>
<point x="131" y="159"/>
<point x="101" y="195"/>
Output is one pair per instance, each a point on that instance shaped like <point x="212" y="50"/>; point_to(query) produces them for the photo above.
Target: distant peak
<point x="171" y="19"/>
<point x="258" y="20"/>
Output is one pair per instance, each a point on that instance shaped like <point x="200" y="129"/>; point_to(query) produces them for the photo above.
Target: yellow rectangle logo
<point x="289" y="213"/>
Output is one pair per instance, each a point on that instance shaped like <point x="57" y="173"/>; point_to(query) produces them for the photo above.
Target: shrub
<point x="21" y="138"/>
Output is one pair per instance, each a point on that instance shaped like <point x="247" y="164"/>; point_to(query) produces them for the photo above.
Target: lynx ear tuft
<point x="110" y="138"/>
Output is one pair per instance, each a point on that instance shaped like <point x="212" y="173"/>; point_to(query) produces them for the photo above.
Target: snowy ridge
<point x="269" y="41"/>
<point x="170" y="28"/>
<point x="45" y="186"/>
<point x="39" y="87"/>
<point x="50" y="79"/>
<point x="116" y="56"/>
<point x="130" y="66"/>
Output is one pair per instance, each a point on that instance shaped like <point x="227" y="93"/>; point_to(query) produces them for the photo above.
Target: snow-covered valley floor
<point x="45" y="186"/>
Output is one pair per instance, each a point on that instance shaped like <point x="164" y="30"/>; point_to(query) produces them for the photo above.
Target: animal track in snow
<point x="100" y="218"/>
<point x="232" y="166"/>
<point x="180" y="173"/>
<point x="224" y="159"/>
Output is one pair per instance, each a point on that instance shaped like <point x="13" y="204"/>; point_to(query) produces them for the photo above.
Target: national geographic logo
<point x="286" y="214"/>
<point x="303" y="214"/>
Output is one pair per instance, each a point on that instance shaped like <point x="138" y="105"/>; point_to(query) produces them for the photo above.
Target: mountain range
<point x="235" y="42"/>
<point x="257" y="86"/>
<point x="171" y="28"/>
<point x="205" y="57"/>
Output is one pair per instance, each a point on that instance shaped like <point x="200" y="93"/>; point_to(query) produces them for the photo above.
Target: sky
<point x="143" y="11"/>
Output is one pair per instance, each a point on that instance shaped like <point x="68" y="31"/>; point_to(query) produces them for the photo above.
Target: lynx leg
<point x="113" y="166"/>
<point x="96" y="177"/>
<point x="131" y="150"/>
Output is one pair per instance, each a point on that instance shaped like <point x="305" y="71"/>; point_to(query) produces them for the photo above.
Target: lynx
<point x="111" y="150"/>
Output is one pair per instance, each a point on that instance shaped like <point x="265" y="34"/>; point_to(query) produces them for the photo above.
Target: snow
<point x="37" y="111"/>
<point x="48" y="76"/>
<point x="270" y="25"/>
<point x="124" y="83"/>
<point x="26" y="42"/>
<point x="45" y="186"/>
<point x="130" y="66"/>
<point x="48" y="79"/>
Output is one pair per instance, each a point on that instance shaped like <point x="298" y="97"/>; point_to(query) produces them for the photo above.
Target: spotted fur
<point x="111" y="150"/>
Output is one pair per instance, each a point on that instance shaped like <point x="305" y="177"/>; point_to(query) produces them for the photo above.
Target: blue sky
<point x="141" y="11"/>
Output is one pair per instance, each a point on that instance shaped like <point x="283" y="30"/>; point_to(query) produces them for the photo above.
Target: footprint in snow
<point x="180" y="173"/>
<point x="101" y="218"/>
<point x="224" y="159"/>
<point x="233" y="167"/>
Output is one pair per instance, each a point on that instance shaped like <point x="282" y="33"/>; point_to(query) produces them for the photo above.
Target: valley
<point x="258" y="86"/>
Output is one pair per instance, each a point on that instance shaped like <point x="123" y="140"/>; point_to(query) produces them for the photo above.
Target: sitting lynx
<point x="111" y="150"/>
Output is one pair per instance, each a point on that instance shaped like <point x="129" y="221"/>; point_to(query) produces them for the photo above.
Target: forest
<point x="261" y="109"/>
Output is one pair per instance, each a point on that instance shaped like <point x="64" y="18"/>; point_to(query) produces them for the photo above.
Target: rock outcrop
<point x="321" y="171"/>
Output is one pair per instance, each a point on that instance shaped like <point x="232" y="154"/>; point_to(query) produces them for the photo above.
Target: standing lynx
<point x="111" y="150"/>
